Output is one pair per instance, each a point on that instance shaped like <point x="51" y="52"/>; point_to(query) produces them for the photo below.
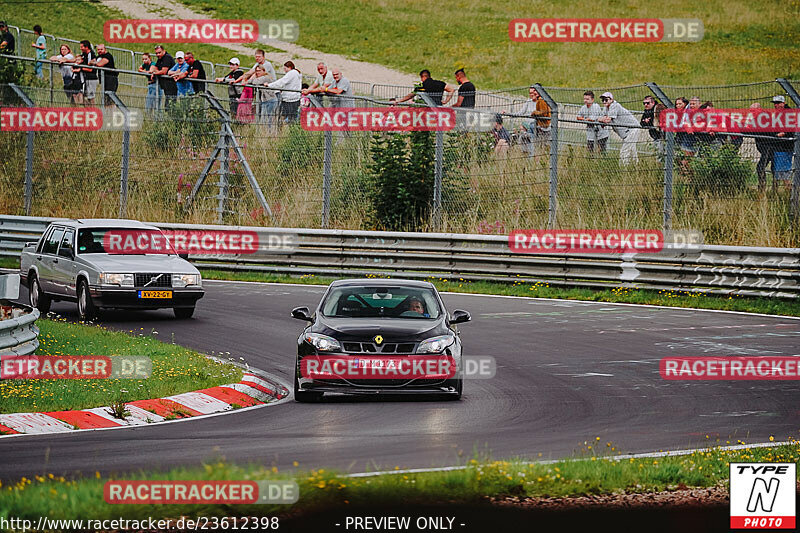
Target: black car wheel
<point x="37" y="298"/>
<point x="86" y="307"/>
<point x="304" y="396"/>
<point x="183" y="312"/>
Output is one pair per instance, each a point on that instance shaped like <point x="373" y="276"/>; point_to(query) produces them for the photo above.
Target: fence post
<point x="326" y="179"/>
<point x="795" y="197"/>
<point x="552" y="203"/>
<point x="223" y="180"/>
<point x="669" y="158"/>
<point x="437" y="180"/>
<point x="126" y="152"/>
<point x="51" y="83"/>
<point x="28" y="194"/>
<point x="438" y="169"/>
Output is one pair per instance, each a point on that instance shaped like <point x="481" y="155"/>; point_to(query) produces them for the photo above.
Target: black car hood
<point x="392" y="329"/>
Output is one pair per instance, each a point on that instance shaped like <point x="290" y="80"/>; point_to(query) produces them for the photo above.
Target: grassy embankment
<point x="591" y="472"/>
<point x="175" y="370"/>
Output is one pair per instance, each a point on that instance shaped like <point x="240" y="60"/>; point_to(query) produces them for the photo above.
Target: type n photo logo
<point x="763" y="495"/>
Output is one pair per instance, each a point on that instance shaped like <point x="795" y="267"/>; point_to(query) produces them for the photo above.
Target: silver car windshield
<point x="113" y="240"/>
<point x="381" y="302"/>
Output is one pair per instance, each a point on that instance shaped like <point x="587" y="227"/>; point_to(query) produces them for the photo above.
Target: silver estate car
<point x="70" y="262"/>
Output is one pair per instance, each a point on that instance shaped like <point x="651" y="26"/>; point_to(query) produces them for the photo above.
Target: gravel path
<point x="306" y="60"/>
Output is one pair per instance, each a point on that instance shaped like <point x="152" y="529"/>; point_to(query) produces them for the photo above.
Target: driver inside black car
<point x="415" y="305"/>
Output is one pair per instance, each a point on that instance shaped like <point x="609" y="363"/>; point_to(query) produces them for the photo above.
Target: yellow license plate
<point x="155" y="294"/>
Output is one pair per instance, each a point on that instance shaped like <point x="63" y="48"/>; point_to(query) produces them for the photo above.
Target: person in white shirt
<point x="65" y="60"/>
<point x="595" y="133"/>
<point x="623" y="123"/>
<point x="292" y="84"/>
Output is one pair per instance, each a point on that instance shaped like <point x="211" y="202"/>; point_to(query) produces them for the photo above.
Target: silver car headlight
<point x="436" y="344"/>
<point x="185" y="280"/>
<point x="120" y="280"/>
<point x="323" y="343"/>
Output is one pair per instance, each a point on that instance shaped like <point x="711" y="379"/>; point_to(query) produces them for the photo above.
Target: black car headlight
<point x="323" y="343"/>
<point x="436" y="344"/>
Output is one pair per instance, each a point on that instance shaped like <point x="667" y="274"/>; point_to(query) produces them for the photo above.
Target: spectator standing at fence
<point x="244" y="111"/>
<point x="7" y="43"/>
<point x="110" y="77"/>
<point x="266" y="99"/>
<point x="292" y="84"/>
<point x="167" y="84"/>
<point x="322" y="81"/>
<point x="87" y="59"/>
<point x="342" y="89"/>
<point x="783" y="146"/>
<point x="180" y="73"/>
<point x="40" y="44"/>
<point x="197" y="74"/>
<point x="435" y="89"/>
<point x="261" y="59"/>
<point x="151" y="100"/>
<point x="65" y="59"/>
<point x="684" y="139"/>
<point x="622" y="122"/>
<point x="538" y="129"/>
<point x="649" y="120"/>
<point x="230" y="78"/>
<point x="466" y="92"/>
<point x="596" y="134"/>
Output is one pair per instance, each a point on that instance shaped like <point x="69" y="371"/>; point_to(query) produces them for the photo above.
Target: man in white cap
<point x="623" y="123"/>
<point x="230" y="78"/>
<point x="179" y="72"/>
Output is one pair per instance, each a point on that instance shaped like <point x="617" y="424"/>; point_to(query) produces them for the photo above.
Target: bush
<point x="186" y="121"/>
<point x="299" y="149"/>
<point x="402" y="171"/>
<point x="719" y="171"/>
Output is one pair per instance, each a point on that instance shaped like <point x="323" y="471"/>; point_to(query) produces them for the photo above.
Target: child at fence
<point x="41" y="50"/>
<point x="244" y="111"/>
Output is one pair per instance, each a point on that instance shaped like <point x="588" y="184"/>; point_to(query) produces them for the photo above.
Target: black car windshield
<point x="381" y="302"/>
<point x="123" y="241"/>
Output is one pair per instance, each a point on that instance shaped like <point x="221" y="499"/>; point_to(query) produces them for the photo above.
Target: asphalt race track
<point x="567" y="372"/>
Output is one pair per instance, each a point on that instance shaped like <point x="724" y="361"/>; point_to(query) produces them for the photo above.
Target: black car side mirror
<point x="460" y="316"/>
<point x="185" y="257"/>
<point x="302" y="313"/>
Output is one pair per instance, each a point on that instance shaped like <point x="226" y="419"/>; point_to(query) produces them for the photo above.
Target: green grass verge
<point x="175" y="370"/>
<point x="741" y="43"/>
<point x="771" y="306"/>
<point x="57" y="497"/>
<point x="9" y="262"/>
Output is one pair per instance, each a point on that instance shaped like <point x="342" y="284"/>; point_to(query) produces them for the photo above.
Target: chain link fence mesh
<point x="723" y="187"/>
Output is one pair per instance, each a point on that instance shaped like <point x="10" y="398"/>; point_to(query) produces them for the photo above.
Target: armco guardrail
<point x="19" y="335"/>
<point x="746" y="271"/>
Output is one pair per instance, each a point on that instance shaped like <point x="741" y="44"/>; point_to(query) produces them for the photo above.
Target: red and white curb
<point x="252" y="391"/>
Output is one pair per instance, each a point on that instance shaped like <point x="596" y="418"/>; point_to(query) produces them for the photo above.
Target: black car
<point x="377" y="320"/>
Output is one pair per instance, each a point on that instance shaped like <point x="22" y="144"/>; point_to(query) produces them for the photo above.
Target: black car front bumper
<point x="129" y="298"/>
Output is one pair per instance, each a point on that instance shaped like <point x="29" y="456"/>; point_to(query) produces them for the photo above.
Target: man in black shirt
<point x="433" y="88"/>
<point x="167" y="83"/>
<point x="466" y="91"/>
<point x="196" y="72"/>
<point x="7" y="43"/>
<point x="234" y="91"/>
<point x="110" y="78"/>
<point x="90" y="80"/>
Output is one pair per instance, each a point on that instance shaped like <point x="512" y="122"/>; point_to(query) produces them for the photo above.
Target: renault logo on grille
<point x="378" y="339"/>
